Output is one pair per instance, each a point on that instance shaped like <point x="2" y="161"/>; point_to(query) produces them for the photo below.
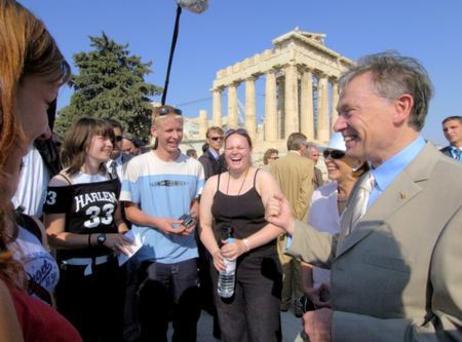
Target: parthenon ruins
<point x="300" y="75"/>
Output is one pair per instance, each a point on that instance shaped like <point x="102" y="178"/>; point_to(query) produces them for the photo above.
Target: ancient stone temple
<point x="300" y="75"/>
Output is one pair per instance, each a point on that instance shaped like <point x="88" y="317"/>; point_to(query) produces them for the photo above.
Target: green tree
<point x="110" y="84"/>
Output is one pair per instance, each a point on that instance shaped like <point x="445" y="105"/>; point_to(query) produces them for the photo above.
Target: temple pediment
<point x="297" y="34"/>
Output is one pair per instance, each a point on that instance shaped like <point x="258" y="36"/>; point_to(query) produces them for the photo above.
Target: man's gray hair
<point x="295" y="141"/>
<point x="394" y="75"/>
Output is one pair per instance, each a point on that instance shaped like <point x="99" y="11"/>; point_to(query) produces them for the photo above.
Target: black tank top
<point x="245" y="213"/>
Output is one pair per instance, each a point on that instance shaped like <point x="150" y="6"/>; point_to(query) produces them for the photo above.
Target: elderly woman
<point x="237" y="199"/>
<point x="327" y="205"/>
<point x="31" y="71"/>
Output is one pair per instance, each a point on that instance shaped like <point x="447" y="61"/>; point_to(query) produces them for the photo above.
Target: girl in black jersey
<point x="84" y="225"/>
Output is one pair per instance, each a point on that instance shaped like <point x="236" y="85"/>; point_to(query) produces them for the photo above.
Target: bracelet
<point x="89" y="240"/>
<point x="246" y="244"/>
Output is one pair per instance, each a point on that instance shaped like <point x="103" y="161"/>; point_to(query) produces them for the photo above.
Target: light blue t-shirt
<point x="163" y="189"/>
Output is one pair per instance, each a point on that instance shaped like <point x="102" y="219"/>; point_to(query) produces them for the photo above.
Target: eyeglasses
<point x="333" y="154"/>
<point x="216" y="138"/>
<point x="168" y="110"/>
<point x="118" y="138"/>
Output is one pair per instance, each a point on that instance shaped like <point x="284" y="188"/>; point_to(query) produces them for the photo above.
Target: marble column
<point x="323" y="110"/>
<point x="233" y="119"/>
<point x="203" y="123"/>
<point x="217" y="107"/>
<point x="250" y="108"/>
<point x="306" y="105"/>
<point x="270" y="107"/>
<point x="291" y="100"/>
<point x="334" y="114"/>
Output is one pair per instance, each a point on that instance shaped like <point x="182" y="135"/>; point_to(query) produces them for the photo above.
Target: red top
<point x="40" y="322"/>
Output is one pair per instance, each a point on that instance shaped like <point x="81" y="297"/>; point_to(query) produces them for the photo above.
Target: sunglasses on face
<point x="118" y="138"/>
<point x="333" y="154"/>
<point x="216" y="138"/>
<point x="167" y="110"/>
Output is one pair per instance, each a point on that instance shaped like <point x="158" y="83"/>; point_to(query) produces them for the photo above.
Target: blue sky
<point x="232" y="30"/>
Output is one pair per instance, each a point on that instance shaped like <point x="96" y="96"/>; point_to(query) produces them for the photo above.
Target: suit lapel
<point x="405" y="187"/>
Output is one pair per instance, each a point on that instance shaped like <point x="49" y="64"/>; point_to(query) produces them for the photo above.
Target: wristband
<point x="246" y="244"/>
<point x="89" y="240"/>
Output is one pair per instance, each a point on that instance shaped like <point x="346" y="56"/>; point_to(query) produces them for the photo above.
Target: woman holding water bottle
<point x="233" y="228"/>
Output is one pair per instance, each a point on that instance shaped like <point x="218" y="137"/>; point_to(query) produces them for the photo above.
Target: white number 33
<point x="96" y="219"/>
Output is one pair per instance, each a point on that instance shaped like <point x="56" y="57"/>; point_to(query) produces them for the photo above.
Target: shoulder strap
<point x="67" y="179"/>
<point x="218" y="182"/>
<point x="255" y="177"/>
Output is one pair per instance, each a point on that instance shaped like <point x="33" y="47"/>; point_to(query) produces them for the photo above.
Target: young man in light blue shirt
<point x="158" y="188"/>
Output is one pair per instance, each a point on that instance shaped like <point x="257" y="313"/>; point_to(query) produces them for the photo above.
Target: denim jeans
<point x="164" y="292"/>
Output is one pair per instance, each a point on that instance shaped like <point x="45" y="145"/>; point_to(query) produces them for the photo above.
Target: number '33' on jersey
<point x="89" y="207"/>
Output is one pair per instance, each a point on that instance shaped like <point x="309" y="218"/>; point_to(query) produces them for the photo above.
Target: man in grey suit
<point x="395" y="269"/>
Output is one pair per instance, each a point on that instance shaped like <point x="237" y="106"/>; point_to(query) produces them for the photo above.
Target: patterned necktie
<point x="113" y="170"/>
<point x="456" y="153"/>
<point x="362" y="198"/>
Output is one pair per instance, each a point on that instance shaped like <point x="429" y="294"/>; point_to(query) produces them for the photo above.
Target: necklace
<point x="242" y="184"/>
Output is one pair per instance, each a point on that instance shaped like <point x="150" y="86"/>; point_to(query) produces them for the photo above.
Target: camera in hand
<point x="187" y="221"/>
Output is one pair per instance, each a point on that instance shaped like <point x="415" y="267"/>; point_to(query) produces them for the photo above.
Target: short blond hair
<point x="163" y="111"/>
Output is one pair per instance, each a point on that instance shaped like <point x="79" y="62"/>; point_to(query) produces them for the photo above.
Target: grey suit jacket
<point x="398" y="276"/>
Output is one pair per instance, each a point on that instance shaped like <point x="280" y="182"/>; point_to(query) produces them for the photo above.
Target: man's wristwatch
<point x="101" y="239"/>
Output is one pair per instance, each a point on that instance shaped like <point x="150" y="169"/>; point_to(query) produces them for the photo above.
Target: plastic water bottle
<point x="227" y="278"/>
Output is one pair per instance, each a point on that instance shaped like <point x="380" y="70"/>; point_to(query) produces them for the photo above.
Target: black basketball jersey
<point x="89" y="208"/>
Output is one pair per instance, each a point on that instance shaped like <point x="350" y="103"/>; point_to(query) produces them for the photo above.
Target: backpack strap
<point x="29" y="224"/>
<point x="35" y="288"/>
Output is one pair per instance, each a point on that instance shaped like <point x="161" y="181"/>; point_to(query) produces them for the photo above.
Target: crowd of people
<point x="102" y="241"/>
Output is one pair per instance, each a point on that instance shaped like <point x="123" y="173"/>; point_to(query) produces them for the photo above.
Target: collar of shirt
<point x="214" y="153"/>
<point x="293" y="151"/>
<point x="388" y="170"/>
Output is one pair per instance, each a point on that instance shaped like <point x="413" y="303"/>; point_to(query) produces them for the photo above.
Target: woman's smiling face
<point x="237" y="152"/>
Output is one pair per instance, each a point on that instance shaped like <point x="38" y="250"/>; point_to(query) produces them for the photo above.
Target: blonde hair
<point x="164" y="111"/>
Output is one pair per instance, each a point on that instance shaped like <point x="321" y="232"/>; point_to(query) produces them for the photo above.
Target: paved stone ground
<point x="291" y="325"/>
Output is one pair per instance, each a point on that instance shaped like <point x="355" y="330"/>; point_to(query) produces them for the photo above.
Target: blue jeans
<point x="164" y="292"/>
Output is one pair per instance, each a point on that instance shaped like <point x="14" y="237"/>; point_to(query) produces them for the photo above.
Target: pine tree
<point x="110" y="84"/>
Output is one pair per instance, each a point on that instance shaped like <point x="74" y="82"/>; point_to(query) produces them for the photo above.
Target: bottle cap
<point x="228" y="232"/>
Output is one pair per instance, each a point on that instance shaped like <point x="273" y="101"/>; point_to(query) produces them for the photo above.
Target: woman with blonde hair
<point x="32" y="69"/>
